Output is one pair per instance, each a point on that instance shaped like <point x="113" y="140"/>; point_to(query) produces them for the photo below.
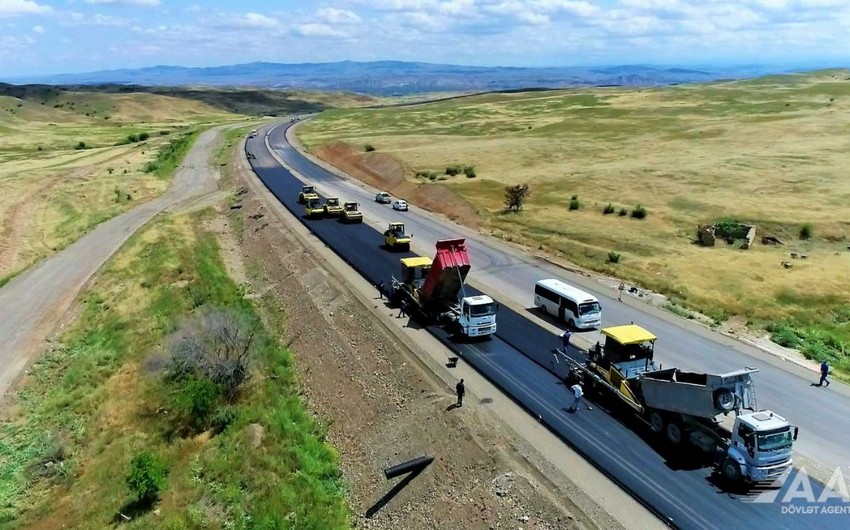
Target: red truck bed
<point x="448" y="271"/>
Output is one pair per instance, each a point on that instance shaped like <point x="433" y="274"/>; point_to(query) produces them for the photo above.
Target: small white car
<point x="383" y="197"/>
<point x="400" y="205"/>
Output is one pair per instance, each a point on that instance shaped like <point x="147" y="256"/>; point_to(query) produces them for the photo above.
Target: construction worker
<point x="824" y="371"/>
<point x="401" y="311"/>
<point x="461" y="390"/>
<point x="381" y="290"/>
<point x="577" y="395"/>
<point x="565" y="337"/>
<point x="621" y="288"/>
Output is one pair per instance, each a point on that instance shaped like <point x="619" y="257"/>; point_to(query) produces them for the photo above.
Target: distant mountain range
<point x="396" y="77"/>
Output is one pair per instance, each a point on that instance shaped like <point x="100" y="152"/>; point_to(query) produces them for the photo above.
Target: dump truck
<point x="314" y="208"/>
<point x="332" y="207"/>
<point x="395" y="237"/>
<point x="716" y="413"/>
<point x="433" y="290"/>
<point x="307" y="192"/>
<point x="350" y="213"/>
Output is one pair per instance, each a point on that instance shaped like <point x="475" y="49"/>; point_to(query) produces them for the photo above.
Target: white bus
<point x="574" y="306"/>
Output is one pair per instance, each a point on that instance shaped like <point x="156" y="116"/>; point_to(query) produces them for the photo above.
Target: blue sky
<point x="56" y="36"/>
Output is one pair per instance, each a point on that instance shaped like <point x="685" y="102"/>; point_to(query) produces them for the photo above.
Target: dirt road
<point x="32" y="304"/>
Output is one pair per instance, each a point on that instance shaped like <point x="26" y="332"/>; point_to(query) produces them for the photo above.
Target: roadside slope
<point x="33" y="303"/>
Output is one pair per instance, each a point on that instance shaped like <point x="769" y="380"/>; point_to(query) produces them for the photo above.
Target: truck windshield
<point x="774" y="440"/>
<point x="482" y="310"/>
<point x="589" y="308"/>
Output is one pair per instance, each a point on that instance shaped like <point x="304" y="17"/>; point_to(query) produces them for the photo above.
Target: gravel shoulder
<point x="36" y="304"/>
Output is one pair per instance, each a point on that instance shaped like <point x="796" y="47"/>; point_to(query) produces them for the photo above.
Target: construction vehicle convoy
<point x="314" y="208"/>
<point x="350" y="213"/>
<point x="332" y="207"/>
<point x="395" y="238"/>
<point x="433" y="290"/>
<point x="307" y="192"/>
<point x="752" y="445"/>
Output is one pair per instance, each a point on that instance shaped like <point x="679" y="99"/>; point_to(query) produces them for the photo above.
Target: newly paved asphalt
<point x="519" y="360"/>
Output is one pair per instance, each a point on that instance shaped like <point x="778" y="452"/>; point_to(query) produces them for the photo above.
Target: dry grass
<point x="771" y="151"/>
<point x="52" y="192"/>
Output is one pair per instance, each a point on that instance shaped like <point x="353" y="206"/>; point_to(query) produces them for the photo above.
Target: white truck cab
<point x="760" y="448"/>
<point x="478" y="315"/>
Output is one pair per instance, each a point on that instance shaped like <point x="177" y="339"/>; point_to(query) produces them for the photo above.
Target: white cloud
<point x="23" y="7"/>
<point x="256" y="21"/>
<point x="332" y="15"/>
<point x="124" y="2"/>
<point x="106" y="20"/>
<point x="320" y="30"/>
<point x="38" y="29"/>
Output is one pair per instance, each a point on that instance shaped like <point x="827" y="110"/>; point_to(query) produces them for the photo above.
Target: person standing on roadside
<point x="461" y="390"/>
<point x="381" y="290"/>
<point x="824" y="372"/>
<point x="565" y="338"/>
<point x="621" y="288"/>
<point x="578" y="393"/>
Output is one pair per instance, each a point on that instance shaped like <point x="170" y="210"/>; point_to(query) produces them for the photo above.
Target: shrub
<point x="110" y="170"/>
<point x="222" y="419"/>
<point x="133" y="138"/>
<point x="196" y="399"/>
<point x="574" y="203"/>
<point x="470" y="173"/>
<point x="609" y="209"/>
<point x="623" y="212"/>
<point x="80" y="146"/>
<point x="146" y="478"/>
<point x="369" y="148"/>
<point x="216" y="345"/>
<point x="453" y="170"/>
<point x="613" y="257"/>
<point x="164" y="133"/>
<point x="143" y="136"/>
<point x="574" y="197"/>
<point x="639" y="212"/>
<point x="806" y="231"/>
<point x="515" y="196"/>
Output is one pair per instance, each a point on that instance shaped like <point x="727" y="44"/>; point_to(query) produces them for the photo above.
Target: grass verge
<point x="94" y="403"/>
<point x="171" y="154"/>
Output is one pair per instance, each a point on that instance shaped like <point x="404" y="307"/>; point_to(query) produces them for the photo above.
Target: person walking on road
<point x="565" y="338"/>
<point x="621" y="288"/>
<point x="577" y="395"/>
<point x="381" y="290"/>
<point x="461" y="390"/>
<point x="824" y="372"/>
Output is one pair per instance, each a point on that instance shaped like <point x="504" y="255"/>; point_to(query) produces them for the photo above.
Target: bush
<point x="217" y="345"/>
<point x="40" y="149"/>
<point x="806" y="231"/>
<point x="164" y="133"/>
<point x="222" y="419"/>
<point x="132" y="138"/>
<point x="143" y="136"/>
<point x="80" y="146"/>
<point x="515" y="196"/>
<point x="469" y="171"/>
<point x="613" y="257"/>
<point x="453" y="170"/>
<point x="623" y="212"/>
<point x="574" y="203"/>
<point x="609" y="209"/>
<point x="369" y="148"/>
<point x="639" y="212"/>
<point x="146" y="478"/>
<point x="196" y="399"/>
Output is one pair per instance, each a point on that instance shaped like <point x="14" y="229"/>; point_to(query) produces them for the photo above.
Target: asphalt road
<point x="685" y="495"/>
<point x="33" y="303"/>
<point x="821" y="413"/>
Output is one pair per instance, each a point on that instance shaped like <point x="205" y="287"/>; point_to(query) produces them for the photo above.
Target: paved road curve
<point x="685" y="496"/>
<point x="823" y="415"/>
<point x="33" y="303"/>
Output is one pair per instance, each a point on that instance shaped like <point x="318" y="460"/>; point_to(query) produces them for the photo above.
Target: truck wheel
<point x="731" y="470"/>
<point x="674" y="432"/>
<point x="656" y="421"/>
<point x="724" y="399"/>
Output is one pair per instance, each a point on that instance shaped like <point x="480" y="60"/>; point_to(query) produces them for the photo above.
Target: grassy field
<point x="101" y="398"/>
<point x="770" y="151"/>
<point x="69" y="161"/>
